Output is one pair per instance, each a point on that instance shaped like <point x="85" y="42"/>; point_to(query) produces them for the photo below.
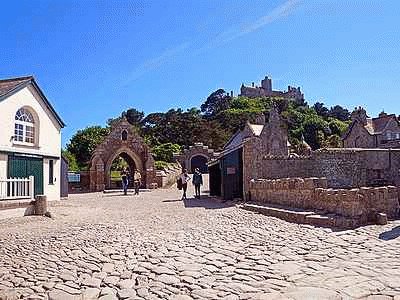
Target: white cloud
<point x="231" y="34"/>
<point x="155" y="62"/>
<point x="226" y="36"/>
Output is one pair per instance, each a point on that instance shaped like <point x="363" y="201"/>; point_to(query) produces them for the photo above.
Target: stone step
<point x="288" y="214"/>
<point x="321" y="220"/>
<point x="300" y="216"/>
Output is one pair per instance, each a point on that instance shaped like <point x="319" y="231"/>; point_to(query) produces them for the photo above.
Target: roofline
<point x="31" y="80"/>
<point x="391" y="116"/>
<point x="350" y="128"/>
<point x="17" y="87"/>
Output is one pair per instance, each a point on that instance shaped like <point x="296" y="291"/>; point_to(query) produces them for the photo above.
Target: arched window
<point x="24" y="130"/>
<point x="124" y="135"/>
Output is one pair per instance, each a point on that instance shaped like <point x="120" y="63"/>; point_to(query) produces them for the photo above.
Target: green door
<point x="24" y="166"/>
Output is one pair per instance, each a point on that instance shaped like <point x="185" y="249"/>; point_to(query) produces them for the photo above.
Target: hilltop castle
<point x="265" y="90"/>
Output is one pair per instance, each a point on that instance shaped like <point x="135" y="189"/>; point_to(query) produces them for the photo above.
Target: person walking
<point x="184" y="179"/>
<point x="125" y="180"/>
<point x="137" y="180"/>
<point x="197" y="182"/>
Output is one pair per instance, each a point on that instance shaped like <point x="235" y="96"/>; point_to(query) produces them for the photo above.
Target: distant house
<point x="380" y="132"/>
<point x="30" y="139"/>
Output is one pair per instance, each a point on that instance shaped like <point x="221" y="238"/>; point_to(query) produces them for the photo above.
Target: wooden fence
<point x="17" y="188"/>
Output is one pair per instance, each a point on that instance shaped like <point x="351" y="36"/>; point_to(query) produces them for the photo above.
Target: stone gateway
<point x="123" y="141"/>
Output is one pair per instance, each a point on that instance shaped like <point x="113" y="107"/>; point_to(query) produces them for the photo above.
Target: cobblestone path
<point x="157" y="247"/>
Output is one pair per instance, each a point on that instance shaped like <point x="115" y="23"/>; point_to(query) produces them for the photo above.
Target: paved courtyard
<point x="157" y="247"/>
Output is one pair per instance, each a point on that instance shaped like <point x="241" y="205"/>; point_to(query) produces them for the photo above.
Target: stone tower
<point x="360" y="115"/>
<point x="266" y="84"/>
<point x="274" y="135"/>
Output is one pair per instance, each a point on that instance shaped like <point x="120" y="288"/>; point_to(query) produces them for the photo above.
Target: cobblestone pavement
<point x="157" y="247"/>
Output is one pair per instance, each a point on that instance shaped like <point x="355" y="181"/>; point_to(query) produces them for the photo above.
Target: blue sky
<point x="94" y="59"/>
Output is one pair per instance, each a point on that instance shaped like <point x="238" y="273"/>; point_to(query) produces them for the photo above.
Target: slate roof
<point x="374" y="126"/>
<point x="380" y="123"/>
<point x="12" y="85"/>
<point x="8" y="85"/>
<point x="237" y="139"/>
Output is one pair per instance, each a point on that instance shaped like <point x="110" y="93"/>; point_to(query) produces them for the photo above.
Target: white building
<point x="30" y="137"/>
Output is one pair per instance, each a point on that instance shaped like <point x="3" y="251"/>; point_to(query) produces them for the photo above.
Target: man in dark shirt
<point x="125" y="180"/>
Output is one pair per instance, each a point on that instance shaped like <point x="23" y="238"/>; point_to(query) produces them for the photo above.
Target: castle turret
<point x="266" y="84"/>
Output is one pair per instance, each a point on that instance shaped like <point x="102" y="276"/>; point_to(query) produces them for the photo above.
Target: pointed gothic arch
<point x="122" y="141"/>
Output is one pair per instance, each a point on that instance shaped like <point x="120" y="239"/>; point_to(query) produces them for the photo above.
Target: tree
<point x="133" y="116"/>
<point x="84" y="142"/>
<point x="320" y="109"/>
<point x="314" y="128"/>
<point x="72" y="163"/>
<point x="217" y="101"/>
<point x="340" y="113"/>
<point x="165" y="152"/>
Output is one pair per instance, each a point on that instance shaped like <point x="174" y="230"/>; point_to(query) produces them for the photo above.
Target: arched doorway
<point x="121" y="162"/>
<point x="123" y="147"/>
<point x="120" y="159"/>
<point x="199" y="161"/>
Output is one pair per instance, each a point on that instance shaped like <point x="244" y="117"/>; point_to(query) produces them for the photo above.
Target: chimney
<point x="382" y="114"/>
<point x="231" y="94"/>
<point x="252" y="84"/>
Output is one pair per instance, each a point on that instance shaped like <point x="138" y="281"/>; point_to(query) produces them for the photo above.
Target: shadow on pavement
<point x="207" y="202"/>
<point x="391" y="234"/>
<point x="172" y="200"/>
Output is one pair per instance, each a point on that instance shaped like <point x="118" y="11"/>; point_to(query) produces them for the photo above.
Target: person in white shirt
<point x="185" y="179"/>
<point x="137" y="181"/>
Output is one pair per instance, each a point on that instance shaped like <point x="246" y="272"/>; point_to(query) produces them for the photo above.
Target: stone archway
<point x="124" y="141"/>
<point x="197" y="150"/>
<point x="199" y="161"/>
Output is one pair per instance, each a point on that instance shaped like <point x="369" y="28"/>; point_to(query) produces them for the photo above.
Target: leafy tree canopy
<point x="165" y="152"/>
<point x="72" y="162"/>
<point x="218" y="118"/>
<point x="84" y="142"/>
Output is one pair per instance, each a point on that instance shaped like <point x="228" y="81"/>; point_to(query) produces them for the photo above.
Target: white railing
<point x="17" y="188"/>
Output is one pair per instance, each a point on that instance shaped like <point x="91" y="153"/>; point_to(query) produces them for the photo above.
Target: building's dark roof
<point x="381" y="122"/>
<point x="374" y="126"/>
<point x="12" y="85"/>
<point x="8" y="85"/>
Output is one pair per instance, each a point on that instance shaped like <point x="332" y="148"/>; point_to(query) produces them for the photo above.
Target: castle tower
<point x="266" y="84"/>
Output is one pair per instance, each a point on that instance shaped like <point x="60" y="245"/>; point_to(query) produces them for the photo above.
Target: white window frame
<point x="24" y="123"/>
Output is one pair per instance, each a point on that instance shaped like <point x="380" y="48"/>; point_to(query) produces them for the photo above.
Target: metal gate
<point x="25" y="166"/>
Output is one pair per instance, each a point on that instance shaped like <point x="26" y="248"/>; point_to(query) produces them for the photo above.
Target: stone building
<point x="231" y="171"/>
<point x="364" y="132"/>
<point x="343" y="187"/>
<point x="265" y="90"/>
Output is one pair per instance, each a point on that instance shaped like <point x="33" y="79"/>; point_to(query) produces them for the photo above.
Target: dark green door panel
<point x="24" y="166"/>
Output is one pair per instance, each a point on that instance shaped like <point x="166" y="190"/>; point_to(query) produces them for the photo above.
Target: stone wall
<point x="343" y="168"/>
<point x="357" y="206"/>
<point x="168" y="177"/>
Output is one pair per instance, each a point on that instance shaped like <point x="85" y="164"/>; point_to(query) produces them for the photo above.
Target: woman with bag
<point x="182" y="182"/>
